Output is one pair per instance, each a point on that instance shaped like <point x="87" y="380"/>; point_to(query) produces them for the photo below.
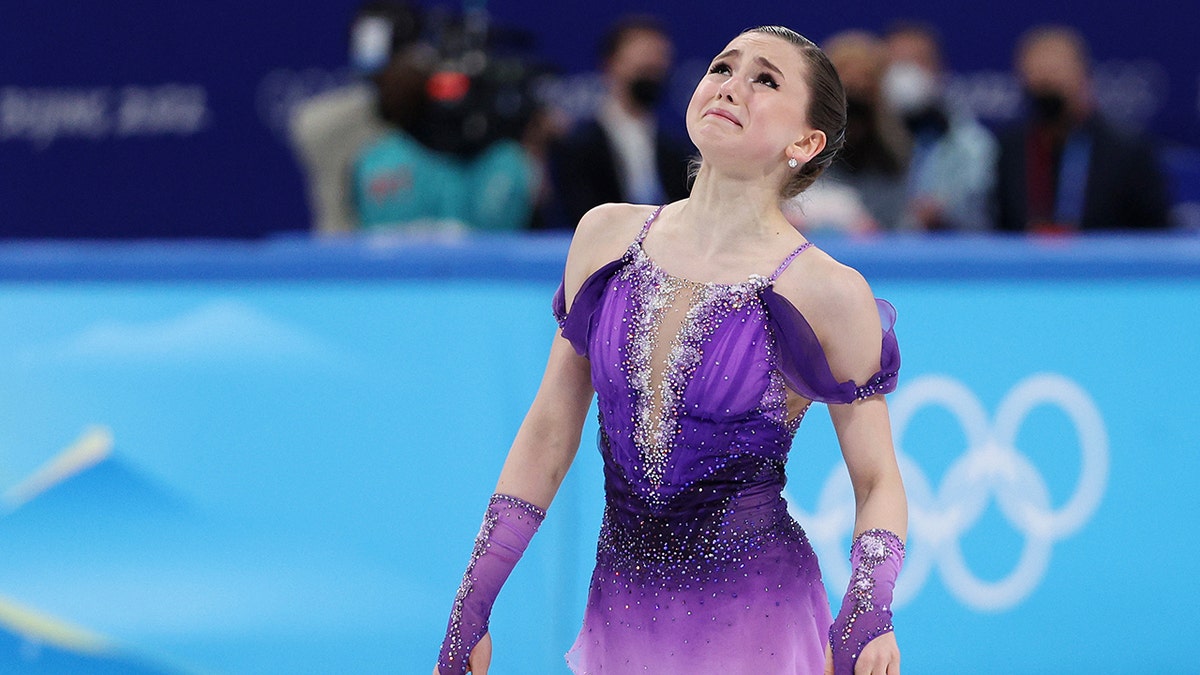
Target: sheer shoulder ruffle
<point x="802" y="359"/>
<point x="576" y="325"/>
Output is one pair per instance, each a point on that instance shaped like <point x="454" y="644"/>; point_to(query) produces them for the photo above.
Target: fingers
<point x="881" y="656"/>
<point x="872" y="667"/>
<point x="828" y="659"/>
<point x="481" y="656"/>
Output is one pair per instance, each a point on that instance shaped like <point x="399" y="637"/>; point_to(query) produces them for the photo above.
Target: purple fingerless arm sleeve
<point x="508" y="525"/>
<point x="875" y="558"/>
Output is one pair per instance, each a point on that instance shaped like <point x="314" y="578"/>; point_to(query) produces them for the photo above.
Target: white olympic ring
<point x="990" y="469"/>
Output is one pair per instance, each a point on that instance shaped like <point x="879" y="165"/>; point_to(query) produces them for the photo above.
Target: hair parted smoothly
<point x="826" y="107"/>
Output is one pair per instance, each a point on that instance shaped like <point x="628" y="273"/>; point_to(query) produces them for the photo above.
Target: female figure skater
<point x="706" y="328"/>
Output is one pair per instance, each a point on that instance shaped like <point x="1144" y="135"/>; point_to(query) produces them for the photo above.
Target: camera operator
<point x="452" y="157"/>
<point x="329" y="131"/>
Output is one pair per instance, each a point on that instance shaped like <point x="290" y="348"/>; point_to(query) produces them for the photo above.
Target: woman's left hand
<point x="881" y="656"/>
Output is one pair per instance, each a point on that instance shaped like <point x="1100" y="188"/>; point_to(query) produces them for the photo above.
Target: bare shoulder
<point x="839" y="304"/>
<point x="602" y="235"/>
<point x="824" y="289"/>
<point x="609" y="228"/>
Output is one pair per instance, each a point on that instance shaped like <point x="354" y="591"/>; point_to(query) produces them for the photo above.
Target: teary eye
<point x="768" y="80"/>
<point x="719" y="67"/>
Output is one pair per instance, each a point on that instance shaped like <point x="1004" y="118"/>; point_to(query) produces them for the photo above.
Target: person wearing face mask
<point x="873" y="166"/>
<point x="953" y="162"/>
<point x="622" y="154"/>
<point x="1064" y="168"/>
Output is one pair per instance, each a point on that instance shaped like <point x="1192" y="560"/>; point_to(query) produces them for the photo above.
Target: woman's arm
<point x="546" y="443"/>
<point x="538" y="460"/>
<point x="850" y="332"/>
<point x="862" y="639"/>
<point x="865" y="436"/>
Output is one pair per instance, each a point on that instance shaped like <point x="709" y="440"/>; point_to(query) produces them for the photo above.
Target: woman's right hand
<point x="480" y="659"/>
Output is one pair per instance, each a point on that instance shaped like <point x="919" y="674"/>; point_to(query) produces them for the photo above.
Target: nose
<point x="726" y="89"/>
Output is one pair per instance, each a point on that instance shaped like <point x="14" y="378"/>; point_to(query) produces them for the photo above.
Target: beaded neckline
<point x="639" y="252"/>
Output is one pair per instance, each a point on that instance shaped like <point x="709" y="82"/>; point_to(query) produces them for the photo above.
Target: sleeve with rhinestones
<point x="508" y="525"/>
<point x="875" y="559"/>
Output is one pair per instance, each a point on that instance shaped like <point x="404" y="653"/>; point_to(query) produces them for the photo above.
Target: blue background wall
<point x="277" y="454"/>
<point x="138" y="118"/>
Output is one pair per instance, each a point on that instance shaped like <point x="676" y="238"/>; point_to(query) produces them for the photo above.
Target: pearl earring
<point x="792" y="163"/>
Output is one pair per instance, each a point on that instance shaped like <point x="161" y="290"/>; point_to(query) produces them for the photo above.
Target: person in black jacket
<point x="1064" y="168"/>
<point x="621" y="154"/>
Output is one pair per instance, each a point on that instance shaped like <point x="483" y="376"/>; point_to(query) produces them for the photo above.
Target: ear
<point x="808" y="147"/>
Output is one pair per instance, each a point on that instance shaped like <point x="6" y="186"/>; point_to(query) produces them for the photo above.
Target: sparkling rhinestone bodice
<point x="685" y="375"/>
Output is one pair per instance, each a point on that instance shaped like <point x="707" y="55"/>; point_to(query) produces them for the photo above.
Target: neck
<point x="725" y="211"/>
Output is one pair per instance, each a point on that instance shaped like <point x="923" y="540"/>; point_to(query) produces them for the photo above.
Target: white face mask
<point x="371" y="43"/>
<point x="909" y="88"/>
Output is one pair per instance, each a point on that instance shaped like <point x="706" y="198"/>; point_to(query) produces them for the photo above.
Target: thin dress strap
<point x="788" y="260"/>
<point x="649" y="222"/>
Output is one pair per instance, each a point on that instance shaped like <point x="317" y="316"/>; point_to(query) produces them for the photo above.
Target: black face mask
<point x="1048" y="107"/>
<point x="646" y="91"/>
<point x="930" y="120"/>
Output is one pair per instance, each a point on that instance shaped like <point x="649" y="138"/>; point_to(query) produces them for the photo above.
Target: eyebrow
<point x="758" y="59"/>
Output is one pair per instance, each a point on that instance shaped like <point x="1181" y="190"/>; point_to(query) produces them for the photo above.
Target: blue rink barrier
<point x="272" y="457"/>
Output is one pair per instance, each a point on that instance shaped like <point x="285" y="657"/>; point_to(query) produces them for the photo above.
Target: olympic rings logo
<point x="991" y="469"/>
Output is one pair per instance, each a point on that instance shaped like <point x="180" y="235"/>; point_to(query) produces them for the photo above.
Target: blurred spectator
<point x="952" y="170"/>
<point x="1063" y="167"/>
<point x="622" y="155"/>
<point x="873" y="163"/>
<point x="452" y="158"/>
<point x="329" y="130"/>
<point x="829" y="206"/>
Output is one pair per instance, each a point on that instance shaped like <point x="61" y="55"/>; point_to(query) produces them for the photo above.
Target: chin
<point x="708" y="138"/>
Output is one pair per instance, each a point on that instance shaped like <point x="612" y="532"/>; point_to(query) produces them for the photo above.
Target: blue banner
<point x="153" y="119"/>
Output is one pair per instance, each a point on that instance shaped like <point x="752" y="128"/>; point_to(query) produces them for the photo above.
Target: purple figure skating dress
<point x="699" y="567"/>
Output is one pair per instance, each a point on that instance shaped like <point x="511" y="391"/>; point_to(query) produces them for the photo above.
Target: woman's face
<point x="752" y="104"/>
